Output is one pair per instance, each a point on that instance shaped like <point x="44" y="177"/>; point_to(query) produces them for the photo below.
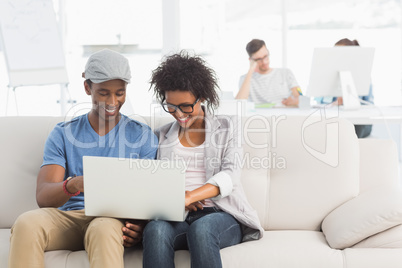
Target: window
<point x="375" y="23"/>
<point x="222" y="29"/>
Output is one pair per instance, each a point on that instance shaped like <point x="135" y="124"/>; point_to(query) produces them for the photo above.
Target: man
<point x="60" y="223"/>
<point x="263" y="84"/>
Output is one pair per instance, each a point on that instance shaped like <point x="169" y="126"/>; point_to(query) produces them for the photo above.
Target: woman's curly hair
<point x="184" y="72"/>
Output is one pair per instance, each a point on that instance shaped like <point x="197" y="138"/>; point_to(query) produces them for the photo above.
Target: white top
<point x="272" y="87"/>
<point x="194" y="159"/>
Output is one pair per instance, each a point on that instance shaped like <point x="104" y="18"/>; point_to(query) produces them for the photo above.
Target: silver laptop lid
<point x="134" y="188"/>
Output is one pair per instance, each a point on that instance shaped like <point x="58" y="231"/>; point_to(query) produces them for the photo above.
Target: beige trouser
<point x="45" y="229"/>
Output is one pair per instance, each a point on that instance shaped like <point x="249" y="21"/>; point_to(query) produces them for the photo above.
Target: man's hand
<point x="244" y="90"/>
<point x="49" y="186"/>
<point x="291" y="101"/>
<point x="75" y="184"/>
<point x="253" y="65"/>
<point x="132" y="232"/>
<point x="339" y="101"/>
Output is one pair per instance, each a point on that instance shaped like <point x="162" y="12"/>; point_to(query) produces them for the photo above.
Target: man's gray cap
<point x="107" y="65"/>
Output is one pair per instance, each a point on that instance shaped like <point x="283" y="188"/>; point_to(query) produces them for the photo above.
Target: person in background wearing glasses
<point x="362" y="131"/>
<point x="263" y="84"/>
<point x="219" y="213"/>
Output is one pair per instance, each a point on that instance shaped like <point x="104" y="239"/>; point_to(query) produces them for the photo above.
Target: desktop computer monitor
<point x="341" y="71"/>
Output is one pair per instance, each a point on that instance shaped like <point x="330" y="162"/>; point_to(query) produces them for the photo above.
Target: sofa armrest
<point x="367" y="214"/>
<point x="390" y="238"/>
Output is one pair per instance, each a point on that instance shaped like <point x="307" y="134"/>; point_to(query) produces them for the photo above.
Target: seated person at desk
<point x="263" y="84"/>
<point x="362" y="131"/>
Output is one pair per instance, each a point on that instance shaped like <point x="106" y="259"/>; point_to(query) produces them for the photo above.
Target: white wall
<point x="219" y="30"/>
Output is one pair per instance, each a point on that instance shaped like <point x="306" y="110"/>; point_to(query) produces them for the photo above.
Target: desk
<point x="364" y="116"/>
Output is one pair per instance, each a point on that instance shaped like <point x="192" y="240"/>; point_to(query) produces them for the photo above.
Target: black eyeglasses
<point x="184" y="108"/>
<point x="261" y="59"/>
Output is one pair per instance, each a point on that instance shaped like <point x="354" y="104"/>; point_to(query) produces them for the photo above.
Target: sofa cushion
<point x="321" y="172"/>
<point x="4" y="246"/>
<point x="284" y="249"/>
<point x="154" y="122"/>
<point x="22" y="140"/>
<point x="372" y="258"/>
<point x="380" y="153"/>
<point x="132" y="258"/>
<point x="307" y="248"/>
<point x="255" y="174"/>
<point x="368" y="214"/>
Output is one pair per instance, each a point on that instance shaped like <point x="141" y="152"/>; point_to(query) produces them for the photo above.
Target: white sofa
<point x="324" y="198"/>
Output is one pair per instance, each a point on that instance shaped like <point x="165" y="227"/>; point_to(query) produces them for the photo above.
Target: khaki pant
<point x="45" y="229"/>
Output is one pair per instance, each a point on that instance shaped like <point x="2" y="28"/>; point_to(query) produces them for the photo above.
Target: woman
<point x="219" y="214"/>
<point x="362" y="131"/>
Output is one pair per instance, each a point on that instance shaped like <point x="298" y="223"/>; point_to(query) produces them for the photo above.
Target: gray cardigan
<point x="223" y="159"/>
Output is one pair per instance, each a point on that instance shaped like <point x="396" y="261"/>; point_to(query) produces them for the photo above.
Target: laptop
<point x="142" y="189"/>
